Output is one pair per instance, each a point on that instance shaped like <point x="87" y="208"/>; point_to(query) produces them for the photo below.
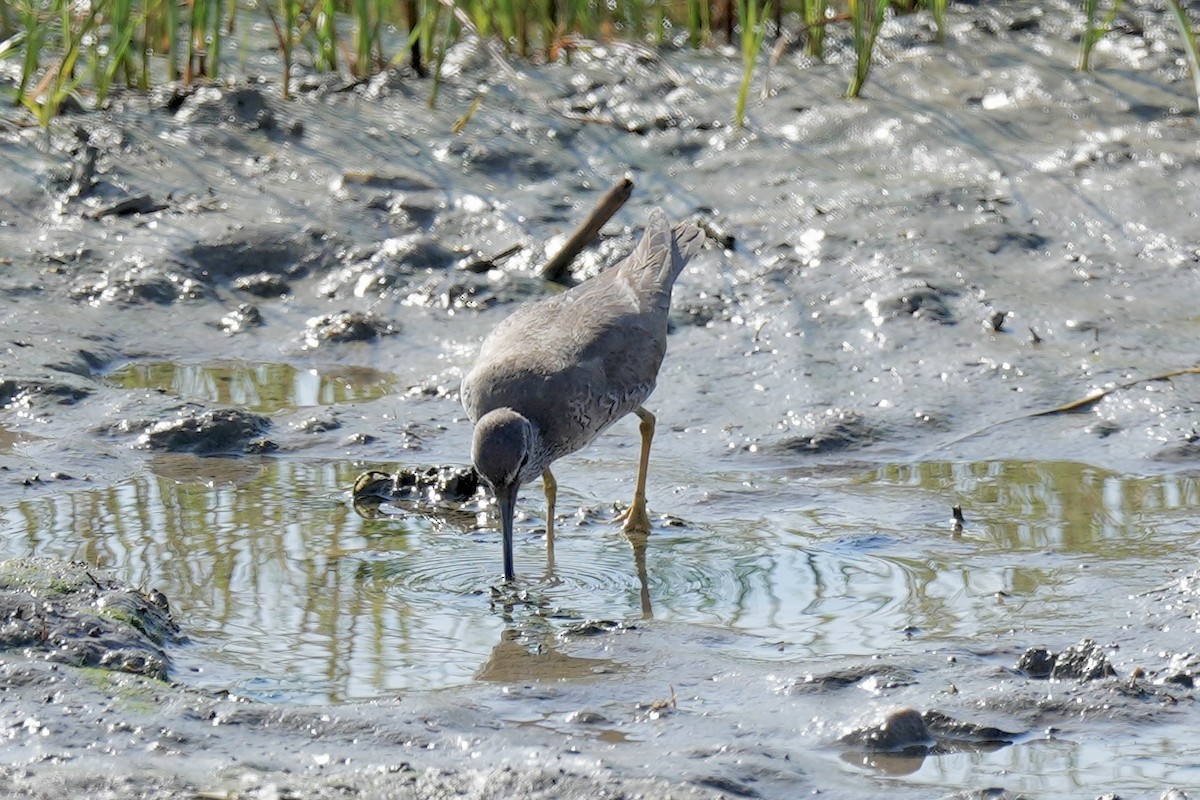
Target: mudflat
<point x="973" y="288"/>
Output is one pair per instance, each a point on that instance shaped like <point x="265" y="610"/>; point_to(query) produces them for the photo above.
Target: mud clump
<point x="1037" y="662"/>
<point x="450" y="494"/>
<point x="245" y="107"/>
<point x="923" y="302"/>
<point x="947" y="729"/>
<point x="595" y="627"/>
<point x="390" y="266"/>
<point x="345" y="326"/>
<point x="70" y="614"/>
<point x="1015" y="240"/>
<point x="838" y="430"/>
<point x="320" y="422"/>
<point x="14" y="392"/>
<point x="241" y="319"/>
<point x="128" y="206"/>
<point x="880" y="676"/>
<point x="901" y="731"/>
<point x="263" y="284"/>
<point x="142" y="284"/>
<point x="1085" y="661"/>
<point x="703" y="311"/>
<point x="223" y="430"/>
<point x="907" y="732"/>
<point x="1186" y="452"/>
<point x="258" y="259"/>
<point x="393" y="181"/>
<point x="421" y="485"/>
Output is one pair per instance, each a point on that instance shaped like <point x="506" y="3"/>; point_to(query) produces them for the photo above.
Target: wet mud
<point x="65" y="614"/>
<point x="229" y="321"/>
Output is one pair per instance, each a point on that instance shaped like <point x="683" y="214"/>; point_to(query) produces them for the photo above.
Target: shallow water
<point x="263" y="387"/>
<point x="1052" y="767"/>
<point x="294" y="597"/>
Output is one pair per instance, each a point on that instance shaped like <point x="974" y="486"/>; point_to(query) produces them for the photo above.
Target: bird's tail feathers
<point x="689" y="238"/>
<point x="668" y="249"/>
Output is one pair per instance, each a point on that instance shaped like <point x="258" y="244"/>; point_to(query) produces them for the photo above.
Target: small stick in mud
<point x="1082" y="404"/>
<point x="483" y="263"/>
<point x="138" y="204"/>
<point x="556" y="268"/>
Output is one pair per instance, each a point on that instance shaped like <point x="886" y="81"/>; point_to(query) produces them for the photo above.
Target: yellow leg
<point x="636" y="518"/>
<point x="550" y="487"/>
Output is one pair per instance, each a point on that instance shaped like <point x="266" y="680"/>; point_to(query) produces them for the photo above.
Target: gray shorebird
<point x="556" y="373"/>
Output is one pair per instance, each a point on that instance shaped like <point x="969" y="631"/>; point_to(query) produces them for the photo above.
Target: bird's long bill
<point x="506" y="499"/>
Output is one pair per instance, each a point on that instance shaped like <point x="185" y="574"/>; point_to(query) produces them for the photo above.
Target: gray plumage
<point x="556" y="373"/>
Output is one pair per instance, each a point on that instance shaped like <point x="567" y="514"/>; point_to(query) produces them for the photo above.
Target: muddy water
<point x="295" y="598"/>
<point x="893" y="287"/>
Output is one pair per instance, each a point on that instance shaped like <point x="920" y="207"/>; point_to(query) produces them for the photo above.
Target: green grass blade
<point x="362" y="38"/>
<point x="326" y="33"/>
<point x="1086" y="42"/>
<point x="867" y="19"/>
<point x="35" y="39"/>
<point x="753" y="31"/>
<point x="437" y="46"/>
<point x="123" y="27"/>
<point x="216" y="30"/>
<point x="171" y="23"/>
<point x="938" y="7"/>
<point x="1188" y="36"/>
<point x="814" y="20"/>
<point x="1094" y="30"/>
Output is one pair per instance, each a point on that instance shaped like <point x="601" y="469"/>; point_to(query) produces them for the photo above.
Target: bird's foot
<point x="634" y="519"/>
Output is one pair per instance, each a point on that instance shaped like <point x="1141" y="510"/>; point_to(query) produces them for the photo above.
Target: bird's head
<point x="501" y="452"/>
<point x="502" y="448"/>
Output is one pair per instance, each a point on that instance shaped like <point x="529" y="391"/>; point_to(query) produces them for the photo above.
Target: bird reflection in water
<point x="516" y="658"/>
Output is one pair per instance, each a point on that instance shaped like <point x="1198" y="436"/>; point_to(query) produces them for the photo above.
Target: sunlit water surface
<point x="276" y="577"/>
<point x="263" y="387"/>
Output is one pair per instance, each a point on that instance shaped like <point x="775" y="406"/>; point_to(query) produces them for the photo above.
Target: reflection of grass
<point x="1074" y="507"/>
<point x="258" y="386"/>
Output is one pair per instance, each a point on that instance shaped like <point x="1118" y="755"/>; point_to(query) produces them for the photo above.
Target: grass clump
<point x="81" y="50"/>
